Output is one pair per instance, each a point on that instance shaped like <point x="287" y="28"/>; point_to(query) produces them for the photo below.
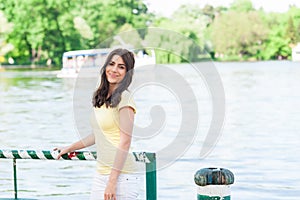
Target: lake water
<point x="259" y="142"/>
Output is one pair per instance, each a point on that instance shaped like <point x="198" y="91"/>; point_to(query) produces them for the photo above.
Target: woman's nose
<point x="114" y="68"/>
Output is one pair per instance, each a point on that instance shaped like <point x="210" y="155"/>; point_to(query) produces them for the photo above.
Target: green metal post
<point x="151" y="192"/>
<point x="15" y="178"/>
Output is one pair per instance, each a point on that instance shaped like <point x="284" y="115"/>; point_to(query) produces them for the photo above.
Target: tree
<point x="291" y="31"/>
<point x="189" y="21"/>
<point x="238" y="34"/>
<point x="242" y="6"/>
<point x="298" y="33"/>
<point x="209" y="11"/>
<point x="5" y="29"/>
<point x="39" y="28"/>
<point x="276" y="45"/>
<point x="294" y="14"/>
<point x="44" y="29"/>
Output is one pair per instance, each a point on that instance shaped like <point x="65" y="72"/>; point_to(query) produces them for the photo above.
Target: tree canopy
<point x="34" y="31"/>
<point x="5" y="28"/>
<point x="44" y="29"/>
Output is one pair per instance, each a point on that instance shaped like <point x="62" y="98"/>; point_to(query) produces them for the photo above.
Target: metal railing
<point x="148" y="158"/>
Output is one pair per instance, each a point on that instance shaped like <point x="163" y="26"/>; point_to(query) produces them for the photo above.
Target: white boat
<point x="296" y="53"/>
<point x="93" y="59"/>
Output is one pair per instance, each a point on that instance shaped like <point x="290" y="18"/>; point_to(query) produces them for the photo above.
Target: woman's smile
<point x="114" y="76"/>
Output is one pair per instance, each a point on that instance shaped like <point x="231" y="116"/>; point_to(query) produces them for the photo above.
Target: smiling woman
<point x="112" y="124"/>
<point x="116" y="76"/>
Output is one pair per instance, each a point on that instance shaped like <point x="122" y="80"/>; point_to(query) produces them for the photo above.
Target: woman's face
<point x="115" y="70"/>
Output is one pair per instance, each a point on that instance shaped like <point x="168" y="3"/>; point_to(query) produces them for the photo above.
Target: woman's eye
<point x="111" y="64"/>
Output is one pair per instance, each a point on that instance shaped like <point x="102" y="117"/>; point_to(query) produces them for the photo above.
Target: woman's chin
<point x="112" y="82"/>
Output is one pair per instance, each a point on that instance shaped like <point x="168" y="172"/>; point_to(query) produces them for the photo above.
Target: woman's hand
<point x="85" y="142"/>
<point x="110" y="191"/>
<point x="61" y="151"/>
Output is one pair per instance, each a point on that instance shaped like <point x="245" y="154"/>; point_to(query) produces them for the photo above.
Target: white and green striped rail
<point x="148" y="158"/>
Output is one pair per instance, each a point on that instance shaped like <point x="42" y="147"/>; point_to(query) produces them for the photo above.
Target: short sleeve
<point x="127" y="101"/>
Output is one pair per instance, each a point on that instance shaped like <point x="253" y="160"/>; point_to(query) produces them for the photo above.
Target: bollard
<point x="213" y="183"/>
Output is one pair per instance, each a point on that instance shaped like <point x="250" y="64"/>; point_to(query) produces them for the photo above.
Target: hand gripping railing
<point x="148" y="158"/>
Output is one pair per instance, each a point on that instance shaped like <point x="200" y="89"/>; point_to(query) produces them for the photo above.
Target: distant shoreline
<point x="44" y="67"/>
<point x="26" y="67"/>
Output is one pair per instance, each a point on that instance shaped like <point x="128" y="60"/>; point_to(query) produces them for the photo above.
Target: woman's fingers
<point x="60" y="151"/>
<point x="109" y="196"/>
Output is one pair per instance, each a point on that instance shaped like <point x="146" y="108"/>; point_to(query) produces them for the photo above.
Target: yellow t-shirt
<point x="105" y="125"/>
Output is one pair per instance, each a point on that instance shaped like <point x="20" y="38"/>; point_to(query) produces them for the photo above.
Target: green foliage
<point x="127" y="37"/>
<point x="44" y="29"/>
<point x="294" y="14"/>
<point x="39" y="30"/>
<point x="235" y="33"/>
<point x="5" y="28"/>
<point x="291" y="31"/>
<point x="277" y="44"/>
<point x="190" y="21"/>
<point x="298" y="33"/>
<point x="209" y="11"/>
<point x="242" y="6"/>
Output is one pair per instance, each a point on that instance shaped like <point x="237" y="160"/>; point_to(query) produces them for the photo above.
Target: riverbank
<point x="50" y="68"/>
<point x="28" y="67"/>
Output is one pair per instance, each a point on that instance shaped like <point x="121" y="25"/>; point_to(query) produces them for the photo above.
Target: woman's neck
<point x="112" y="88"/>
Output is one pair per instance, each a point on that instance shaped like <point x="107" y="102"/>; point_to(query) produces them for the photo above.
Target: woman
<point x="112" y="124"/>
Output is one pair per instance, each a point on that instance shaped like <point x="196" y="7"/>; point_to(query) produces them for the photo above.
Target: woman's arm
<point x="85" y="142"/>
<point x="126" y="126"/>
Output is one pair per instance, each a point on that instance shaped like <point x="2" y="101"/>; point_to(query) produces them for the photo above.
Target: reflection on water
<point x="259" y="143"/>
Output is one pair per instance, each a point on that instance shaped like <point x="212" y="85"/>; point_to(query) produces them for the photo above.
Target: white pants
<point x="129" y="187"/>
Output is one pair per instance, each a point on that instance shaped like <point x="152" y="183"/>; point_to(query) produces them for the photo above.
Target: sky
<point x="166" y="7"/>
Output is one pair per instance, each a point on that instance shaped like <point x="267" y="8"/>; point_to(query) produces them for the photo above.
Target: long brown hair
<point x="100" y="95"/>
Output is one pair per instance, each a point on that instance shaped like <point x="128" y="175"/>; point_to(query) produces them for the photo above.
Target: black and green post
<point x="213" y="183"/>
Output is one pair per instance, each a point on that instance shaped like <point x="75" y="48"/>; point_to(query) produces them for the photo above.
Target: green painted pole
<point x="15" y="178"/>
<point x="213" y="183"/>
<point x="151" y="192"/>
